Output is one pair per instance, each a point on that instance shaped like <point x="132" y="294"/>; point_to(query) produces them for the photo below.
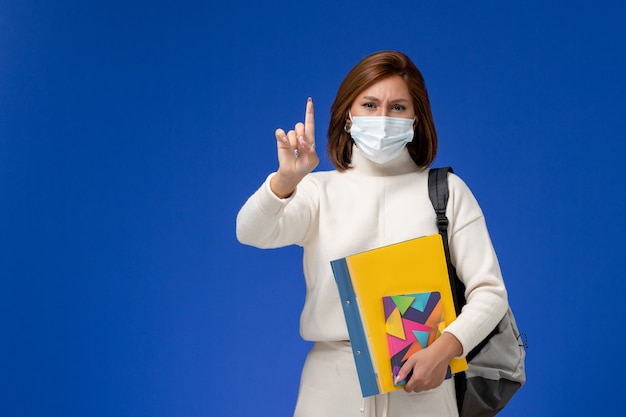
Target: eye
<point x="369" y="105"/>
<point x="398" y="107"/>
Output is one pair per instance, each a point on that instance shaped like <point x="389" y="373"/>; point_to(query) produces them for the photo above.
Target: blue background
<point x="132" y="132"/>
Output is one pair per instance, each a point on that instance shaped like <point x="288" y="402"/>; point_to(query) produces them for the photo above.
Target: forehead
<point x="390" y="88"/>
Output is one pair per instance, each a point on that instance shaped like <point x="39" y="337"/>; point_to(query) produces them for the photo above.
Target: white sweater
<point x="334" y="214"/>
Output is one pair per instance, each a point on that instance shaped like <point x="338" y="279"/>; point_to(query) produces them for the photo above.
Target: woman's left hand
<point x="430" y="365"/>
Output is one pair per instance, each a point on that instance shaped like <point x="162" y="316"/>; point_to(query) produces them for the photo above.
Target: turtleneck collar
<point x="402" y="164"/>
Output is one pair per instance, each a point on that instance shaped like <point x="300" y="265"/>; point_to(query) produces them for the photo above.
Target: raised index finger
<point x="309" y="120"/>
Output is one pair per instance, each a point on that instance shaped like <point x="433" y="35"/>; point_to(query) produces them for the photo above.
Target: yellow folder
<point x="363" y="279"/>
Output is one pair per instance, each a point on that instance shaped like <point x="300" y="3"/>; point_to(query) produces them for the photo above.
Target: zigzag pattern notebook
<point x="413" y="322"/>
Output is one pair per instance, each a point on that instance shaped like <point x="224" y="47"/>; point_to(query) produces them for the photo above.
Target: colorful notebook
<point x="411" y="267"/>
<point x="413" y="322"/>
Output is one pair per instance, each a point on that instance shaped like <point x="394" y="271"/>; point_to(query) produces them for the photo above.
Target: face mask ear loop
<point x="415" y="123"/>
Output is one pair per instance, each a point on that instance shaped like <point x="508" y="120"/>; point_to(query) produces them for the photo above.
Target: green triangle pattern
<point x="403" y="302"/>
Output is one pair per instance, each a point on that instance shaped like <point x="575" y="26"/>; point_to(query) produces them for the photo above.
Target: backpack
<point x="496" y="366"/>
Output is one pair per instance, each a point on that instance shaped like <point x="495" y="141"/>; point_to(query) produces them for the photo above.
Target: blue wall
<point x="131" y="134"/>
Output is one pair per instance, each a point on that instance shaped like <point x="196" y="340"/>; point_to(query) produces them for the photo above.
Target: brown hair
<point x="368" y="71"/>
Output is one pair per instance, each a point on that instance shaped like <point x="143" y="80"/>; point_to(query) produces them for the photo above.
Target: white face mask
<point x="381" y="138"/>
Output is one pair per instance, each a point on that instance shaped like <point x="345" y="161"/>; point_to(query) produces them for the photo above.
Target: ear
<point x="348" y="124"/>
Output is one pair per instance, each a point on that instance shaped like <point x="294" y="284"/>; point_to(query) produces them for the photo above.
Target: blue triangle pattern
<point x="420" y="301"/>
<point x="422" y="337"/>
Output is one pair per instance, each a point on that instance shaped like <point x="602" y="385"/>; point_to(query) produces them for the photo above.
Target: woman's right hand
<point x="296" y="154"/>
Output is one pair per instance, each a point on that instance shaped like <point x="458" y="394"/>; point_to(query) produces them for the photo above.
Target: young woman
<point x="381" y="140"/>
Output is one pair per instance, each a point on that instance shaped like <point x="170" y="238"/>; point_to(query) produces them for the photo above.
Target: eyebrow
<point x="398" y="100"/>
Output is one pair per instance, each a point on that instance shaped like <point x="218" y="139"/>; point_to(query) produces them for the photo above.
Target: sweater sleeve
<point x="267" y="221"/>
<point x="477" y="266"/>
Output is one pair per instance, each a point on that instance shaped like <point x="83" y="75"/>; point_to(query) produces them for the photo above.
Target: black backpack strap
<point x="438" y="193"/>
